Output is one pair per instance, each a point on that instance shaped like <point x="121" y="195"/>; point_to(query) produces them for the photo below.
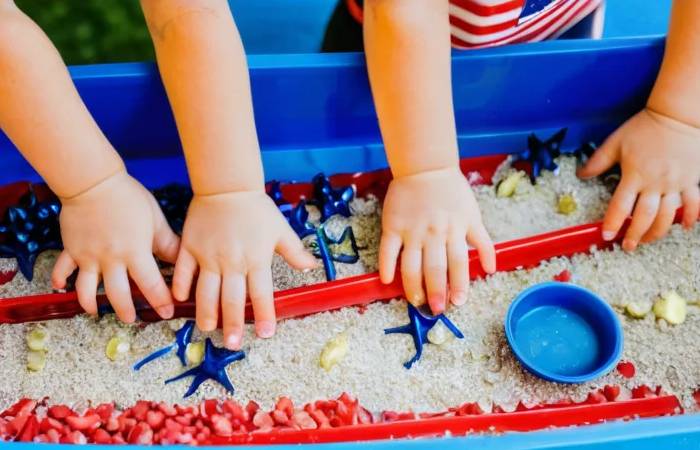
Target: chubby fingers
<point x="118" y="290"/>
<point x="620" y="207"/>
<point x="664" y="218"/>
<point x="691" y="206"/>
<point x="233" y="288"/>
<point x="207" y="299"/>
<point x="644" y="214"/>
<point x="435" y="272"/>
<point x="261" y="297"/>
<point x="64" y="268"/>
<point x="145" y="273"/>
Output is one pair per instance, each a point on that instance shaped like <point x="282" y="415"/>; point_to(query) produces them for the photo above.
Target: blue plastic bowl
<point x="563" y="333"/>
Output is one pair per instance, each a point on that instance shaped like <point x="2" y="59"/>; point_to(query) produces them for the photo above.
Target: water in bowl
<point x="558" y="340"/>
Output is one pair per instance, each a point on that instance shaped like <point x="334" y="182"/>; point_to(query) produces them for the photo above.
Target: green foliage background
<point x="93" y="31"/>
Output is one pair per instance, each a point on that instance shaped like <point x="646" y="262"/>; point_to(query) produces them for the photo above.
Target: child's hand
<point x="432" y="215"/>
<point x="660" y="162"/>
<point x="232" y="238"/>
<point x="109" y="231"/>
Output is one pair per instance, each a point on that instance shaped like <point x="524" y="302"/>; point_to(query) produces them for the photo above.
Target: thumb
<point x="603" y="159"/>
<point x="292" y="250"/>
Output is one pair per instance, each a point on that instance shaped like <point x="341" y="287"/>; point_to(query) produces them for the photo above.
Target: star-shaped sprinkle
<point x="29" y="228"/>
<point x="174" y="199"/>
<point x="213" y="367"/>
<point x="418" y="326"/>
<point x="275" y="193"/>
<point x="183" y="336"/>
<point x="329" y="200"/>
<point x="541" y="154"/>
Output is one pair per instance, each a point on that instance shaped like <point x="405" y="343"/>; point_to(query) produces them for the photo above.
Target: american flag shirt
<point x="490" y="23"/>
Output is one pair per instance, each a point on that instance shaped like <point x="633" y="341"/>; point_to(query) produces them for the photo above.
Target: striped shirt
<point x="490" y="23"/>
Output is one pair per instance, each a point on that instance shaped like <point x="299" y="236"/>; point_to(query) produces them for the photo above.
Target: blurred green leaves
<point x="93" y="31"/>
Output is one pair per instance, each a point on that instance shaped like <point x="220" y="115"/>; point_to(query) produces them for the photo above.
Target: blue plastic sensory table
<point x="314" y="113"/>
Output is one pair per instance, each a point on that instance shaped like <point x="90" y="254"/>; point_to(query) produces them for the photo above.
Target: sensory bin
<point x="332" y="372"/>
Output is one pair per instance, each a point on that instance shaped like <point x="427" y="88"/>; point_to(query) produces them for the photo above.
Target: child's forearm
<point x="203" y="66"/>
<point x="407" y="44"/>
<point x="41" y="112"/>
<point x="677" y="89"/>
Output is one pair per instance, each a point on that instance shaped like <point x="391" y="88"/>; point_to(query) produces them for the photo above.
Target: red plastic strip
<point x="459" y="426"/>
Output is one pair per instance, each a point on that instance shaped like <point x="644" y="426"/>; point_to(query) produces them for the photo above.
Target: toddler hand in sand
<point x="232" y="237"/>
<point x="110" y="231"/>
<point x="432" y="215"/>
<point x="659" y="148"/>
<point x="110" y="224"/>
<point x="660" y="162"/>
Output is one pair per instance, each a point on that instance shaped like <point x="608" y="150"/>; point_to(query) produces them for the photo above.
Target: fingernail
<point x="608" y="235"/>
<point x="459" y="298"/>
<point x="233" y="341"/>
<point x="265" y="328"/>
<point x="166" y="312"/>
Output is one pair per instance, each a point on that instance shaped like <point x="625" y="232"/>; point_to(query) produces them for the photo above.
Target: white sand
<point x="478" y="368"/>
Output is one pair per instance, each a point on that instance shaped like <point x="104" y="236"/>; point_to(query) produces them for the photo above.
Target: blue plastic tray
<point x="314" y="113"/>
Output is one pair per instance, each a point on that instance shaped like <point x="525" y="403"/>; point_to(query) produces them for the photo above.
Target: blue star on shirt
<point x="212" y="367"/>
<point x="418" y="327"/>
<point x="183" y="336"/>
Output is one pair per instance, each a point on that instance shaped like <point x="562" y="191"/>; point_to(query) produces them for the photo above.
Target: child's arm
<point x="232" y="227"/>
<point x="659" y="148"/>
<point x="429" y="209"/>
<point x="109" y="223"/>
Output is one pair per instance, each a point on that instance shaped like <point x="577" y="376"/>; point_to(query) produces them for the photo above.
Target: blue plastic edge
<point x="544" y="373"/>
<point x="314" y="112"/>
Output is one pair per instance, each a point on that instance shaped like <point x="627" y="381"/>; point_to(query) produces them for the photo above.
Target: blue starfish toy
<point x="183" y="336"/>
<point x="418" y="327"/>
<point x="299" y="221"/>
<point x="213" y="367"/>
<point x="541" y="154"/>
<point x="28" y="229"/>
<point x="329" y="200"/>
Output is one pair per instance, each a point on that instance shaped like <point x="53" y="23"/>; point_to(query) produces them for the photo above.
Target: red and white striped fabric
<point x="489" y="23"/>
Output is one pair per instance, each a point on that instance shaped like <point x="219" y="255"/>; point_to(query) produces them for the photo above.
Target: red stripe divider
<point x="535" y="419"/>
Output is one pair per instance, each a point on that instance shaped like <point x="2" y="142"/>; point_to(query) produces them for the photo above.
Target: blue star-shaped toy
<point x="183" y="336"/>
<point x="299" y="220"/>
<point x="212" y="367"/>
<point x="275" y="193"/>
<point x="329" y="200"/>
<point x="28" y="229"/>
<point x="541" y="154"/>
<point x="418" y="326"/>
<point x="174" y="199"/>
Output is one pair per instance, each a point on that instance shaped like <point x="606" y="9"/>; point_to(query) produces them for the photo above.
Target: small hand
<point x="660" y="162"/>
<point x="109" y="231"/>
<point x="432" y="215"/>
<point x="231" y="237"/>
